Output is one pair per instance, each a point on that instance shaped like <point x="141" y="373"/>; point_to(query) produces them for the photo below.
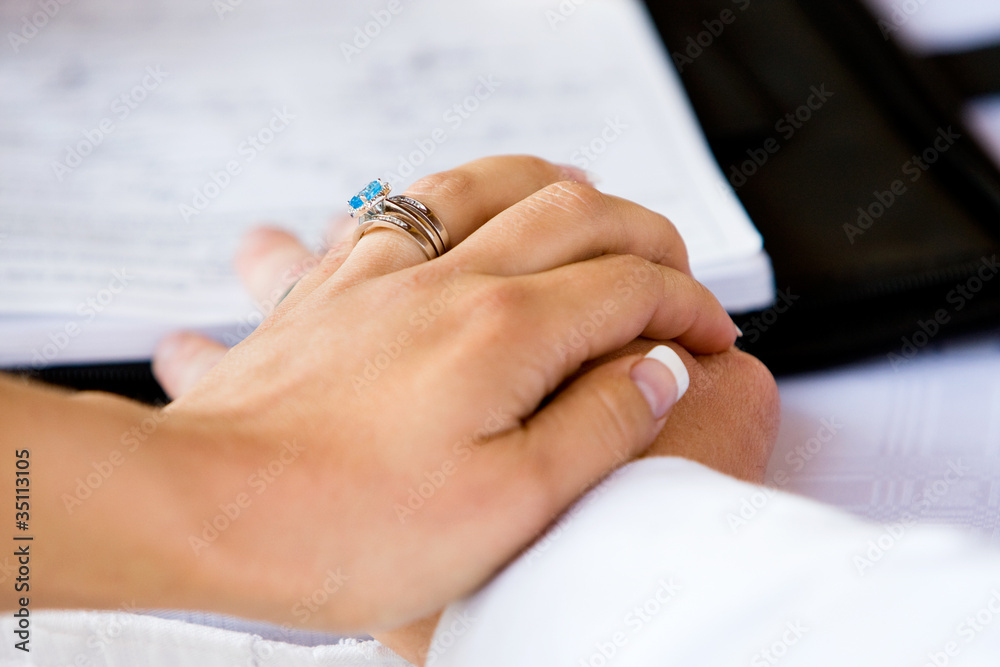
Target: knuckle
<point x="746" y="373"/>
<point x="675" y="250"/>
<point x="489" y="312"/>
<point x="535" y="164"/>
<point x="755" y="376"/>
<point x="446" y="184"/>
<point x="647" y="276"/>
<point x="501" y="298"/>
<point x="578" y="198"/>
<point x="635" y="265"/>
<point x="612" y="430"/>
<point x="416" y="282"/>
<point x="748" y="378"/>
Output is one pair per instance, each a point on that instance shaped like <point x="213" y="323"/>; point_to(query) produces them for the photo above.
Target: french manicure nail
<point x="168" y="347"/>
<point x="662" y="378"/>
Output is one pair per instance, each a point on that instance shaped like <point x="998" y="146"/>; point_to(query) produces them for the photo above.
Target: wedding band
<point x="377" y="210"/>
<point x="394" y="221"/>
<point x="412" y="215"/>
<point x="426" y="216"/>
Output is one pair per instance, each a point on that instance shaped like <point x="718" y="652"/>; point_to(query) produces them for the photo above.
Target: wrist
<point x="243" y="494"/>
<point x="101" y="515"/>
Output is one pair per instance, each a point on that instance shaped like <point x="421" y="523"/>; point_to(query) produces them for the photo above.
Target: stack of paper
<point x="139" y="140"/>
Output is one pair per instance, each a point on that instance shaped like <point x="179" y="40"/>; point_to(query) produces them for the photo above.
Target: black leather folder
<point x="878" y="208"/>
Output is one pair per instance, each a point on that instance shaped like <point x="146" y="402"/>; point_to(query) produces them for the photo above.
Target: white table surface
<point x="897" y="433"/>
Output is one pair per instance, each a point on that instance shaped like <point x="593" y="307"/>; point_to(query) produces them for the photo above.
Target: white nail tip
<point x="669" y="358"/>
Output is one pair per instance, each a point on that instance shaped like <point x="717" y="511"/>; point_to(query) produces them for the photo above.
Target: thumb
<point x="181" y="359"/>
<point x="601" y="421"/>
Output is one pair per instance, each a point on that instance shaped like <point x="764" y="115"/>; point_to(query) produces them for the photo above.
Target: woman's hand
<point x="405" y="399"/>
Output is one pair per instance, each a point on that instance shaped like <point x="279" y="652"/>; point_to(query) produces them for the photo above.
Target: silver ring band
<point x="426" y="216"/>
<point x="405" y="212"/>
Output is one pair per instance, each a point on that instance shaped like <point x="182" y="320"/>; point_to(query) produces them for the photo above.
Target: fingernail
<point x="571" y="173"/>
<point x="662" y="378"/>
<point x="739" y="332"/>
<point x="167" y="348"/>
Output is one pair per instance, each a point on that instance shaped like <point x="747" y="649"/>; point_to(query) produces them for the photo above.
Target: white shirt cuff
<point x="670" y="563"/>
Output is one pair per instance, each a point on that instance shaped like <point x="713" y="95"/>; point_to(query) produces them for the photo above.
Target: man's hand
<point x="728" y="420"/>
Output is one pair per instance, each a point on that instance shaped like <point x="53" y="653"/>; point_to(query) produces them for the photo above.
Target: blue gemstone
<point x="356" y="202"/>
<point x="373" y="190"/>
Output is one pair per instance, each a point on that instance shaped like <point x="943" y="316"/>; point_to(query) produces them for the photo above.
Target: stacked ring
<point x="379" y="211"/>
<point x="409" y="206"/>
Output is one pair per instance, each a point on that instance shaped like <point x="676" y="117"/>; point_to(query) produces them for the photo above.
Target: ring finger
<point x="463" y="199"/>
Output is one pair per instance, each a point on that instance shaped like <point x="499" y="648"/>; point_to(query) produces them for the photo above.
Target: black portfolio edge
<point x="892" y="292"/>
<point x="134" y="380"/>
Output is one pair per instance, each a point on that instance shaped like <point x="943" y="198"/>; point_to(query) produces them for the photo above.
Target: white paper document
<point x="140" y="139"/>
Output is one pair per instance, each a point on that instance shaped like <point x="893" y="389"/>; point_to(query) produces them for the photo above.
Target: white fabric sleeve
<point x="119" y="639"/>
<point x="669" y="563"/>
